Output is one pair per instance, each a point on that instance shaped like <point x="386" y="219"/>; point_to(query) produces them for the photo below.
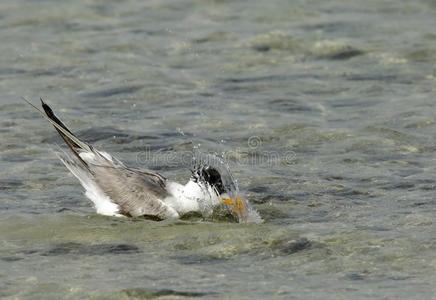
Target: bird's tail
<point x="75" y="145"/>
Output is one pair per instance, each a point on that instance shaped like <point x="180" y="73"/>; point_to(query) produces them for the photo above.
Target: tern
<point x="121" y="191"/>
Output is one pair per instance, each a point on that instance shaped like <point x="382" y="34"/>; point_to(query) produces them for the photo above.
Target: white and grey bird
<point x="121" y="191"/>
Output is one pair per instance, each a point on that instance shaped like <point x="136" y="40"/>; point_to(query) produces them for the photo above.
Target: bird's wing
<point x="131" y="192"/>
<point x="136" y="193"/>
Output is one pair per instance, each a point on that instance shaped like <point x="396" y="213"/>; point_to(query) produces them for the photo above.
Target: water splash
<point x="246" y="213"/>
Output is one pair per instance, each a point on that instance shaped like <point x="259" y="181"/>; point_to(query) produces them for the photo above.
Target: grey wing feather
<point x="136" y="193"/>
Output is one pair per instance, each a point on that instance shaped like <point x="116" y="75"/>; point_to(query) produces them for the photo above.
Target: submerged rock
<point x="97" y="249"/>
<point x="335" y="50"/>
<point x="292" y="246"/>
<point x="275" y="40"/>
<point x="422" y="55"/>
<point x="143" y="293"/>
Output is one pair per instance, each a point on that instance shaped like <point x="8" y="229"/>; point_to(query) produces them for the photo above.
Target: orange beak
<point x="236" y="205"/>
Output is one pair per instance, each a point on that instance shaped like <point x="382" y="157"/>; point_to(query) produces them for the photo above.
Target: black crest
<point x="212" y="176"/>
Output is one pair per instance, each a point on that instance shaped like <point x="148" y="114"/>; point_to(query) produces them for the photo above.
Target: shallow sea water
<point x="324" y="110"/>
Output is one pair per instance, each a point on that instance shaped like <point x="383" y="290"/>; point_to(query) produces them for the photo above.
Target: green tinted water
<point x="324" y="111"/>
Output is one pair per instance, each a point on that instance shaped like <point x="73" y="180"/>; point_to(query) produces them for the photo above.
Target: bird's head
<point x="224" y="188"/>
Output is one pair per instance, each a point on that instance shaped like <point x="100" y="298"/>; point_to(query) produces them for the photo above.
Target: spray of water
<point x="202" y="160"/>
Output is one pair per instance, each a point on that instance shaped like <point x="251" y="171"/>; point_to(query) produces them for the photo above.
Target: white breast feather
<point x="191" y="197"/>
